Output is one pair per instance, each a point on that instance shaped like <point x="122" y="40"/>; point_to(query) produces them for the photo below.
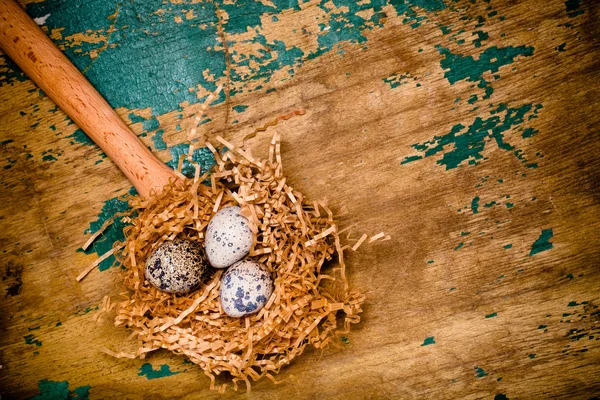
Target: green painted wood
<point x="466" y="130"/>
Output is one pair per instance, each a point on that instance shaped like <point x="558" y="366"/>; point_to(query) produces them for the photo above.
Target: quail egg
<point x="176" y="266"/>
<point x="245" y="288"/>
<point x="228" y="237"/>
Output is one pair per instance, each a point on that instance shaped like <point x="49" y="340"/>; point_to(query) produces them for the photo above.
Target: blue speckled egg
<point x="176" y="266"/>
<point x="228" y="238"/>
<point x="245" y="288"/>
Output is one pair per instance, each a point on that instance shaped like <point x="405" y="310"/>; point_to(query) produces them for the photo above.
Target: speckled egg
<point x="228" y="237"/>
<point x="177" y="266"/>
<point x="245" y="288"/>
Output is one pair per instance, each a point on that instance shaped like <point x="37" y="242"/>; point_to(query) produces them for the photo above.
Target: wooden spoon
<point x="29" y="47"/>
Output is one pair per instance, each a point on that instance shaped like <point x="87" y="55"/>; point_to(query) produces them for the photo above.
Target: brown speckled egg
<point x="177" y="266"/>
<point x="228" y="238"/>
<point x="245" y="288"/>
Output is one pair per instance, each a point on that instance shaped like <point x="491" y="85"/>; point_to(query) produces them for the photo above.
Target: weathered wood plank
<point x="466" y="131"/>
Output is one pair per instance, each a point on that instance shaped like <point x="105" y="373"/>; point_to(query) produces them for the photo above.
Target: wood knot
<point x="32" y="56"/>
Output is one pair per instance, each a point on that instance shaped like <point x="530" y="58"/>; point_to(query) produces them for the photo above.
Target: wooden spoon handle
<point x="29" y="47"/>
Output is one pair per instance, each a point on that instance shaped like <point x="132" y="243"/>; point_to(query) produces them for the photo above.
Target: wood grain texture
<point x="26" y="44"/>
<point x="468" y="131"/>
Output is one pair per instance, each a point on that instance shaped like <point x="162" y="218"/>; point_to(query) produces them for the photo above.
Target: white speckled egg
<point x="245" y="288"/>
<point x="228" y="237"/>
<point x="176" y="266"/>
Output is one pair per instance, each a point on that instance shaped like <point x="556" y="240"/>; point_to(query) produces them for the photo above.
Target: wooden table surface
<point x="466" y="130"/>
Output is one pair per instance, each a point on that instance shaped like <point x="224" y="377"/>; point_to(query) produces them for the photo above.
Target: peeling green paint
<point x="246" y="14"/>
<point x="157" y="139"/>
<point x="150" y="373"/>
<point x="479" y="372"/>
<point x="508" y="246"/>
<point x="445" y="30"/>
<point x="458" y="67"/>
<point x="428" y="340"/>
<point x="468" y="145"/>
<point x="136" y="31"/>
<point x="80" y="393"/>
<point x="467" y="68"/>
<point x="492" y="315"/>
<point x="134" y="118"/>
<point x="49" y="157"/>
<point x="10" y="72"/>
<point x="51" y="390"/>
<point x="83" y="311"/>
<point x="429" y="5"/>
<point x="480" y="21"/>
<point x="410" y="10"/>
<point x="150" y="124"/>
<point x="459" y="246"/>
<point x="31" y="339"/>
<point x="397" y="79"/>
<point x="475" y="204"/>
<point x="481" y="36"/>
<point x="542" y="243"/>
<point x="79" y="136"/>
<point x="276" y="56"/>
<point x="112" y="233"/>
<point x="124" y="84"/>
<point x="345" y="26"/>
<point x="202" y="156"/>
<point x="573" y="8"/>
<point x="410" y="159"/>
<point x="240" y="108"/>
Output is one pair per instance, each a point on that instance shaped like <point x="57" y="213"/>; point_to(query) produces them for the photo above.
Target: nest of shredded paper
<point x="296" y="240"/>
